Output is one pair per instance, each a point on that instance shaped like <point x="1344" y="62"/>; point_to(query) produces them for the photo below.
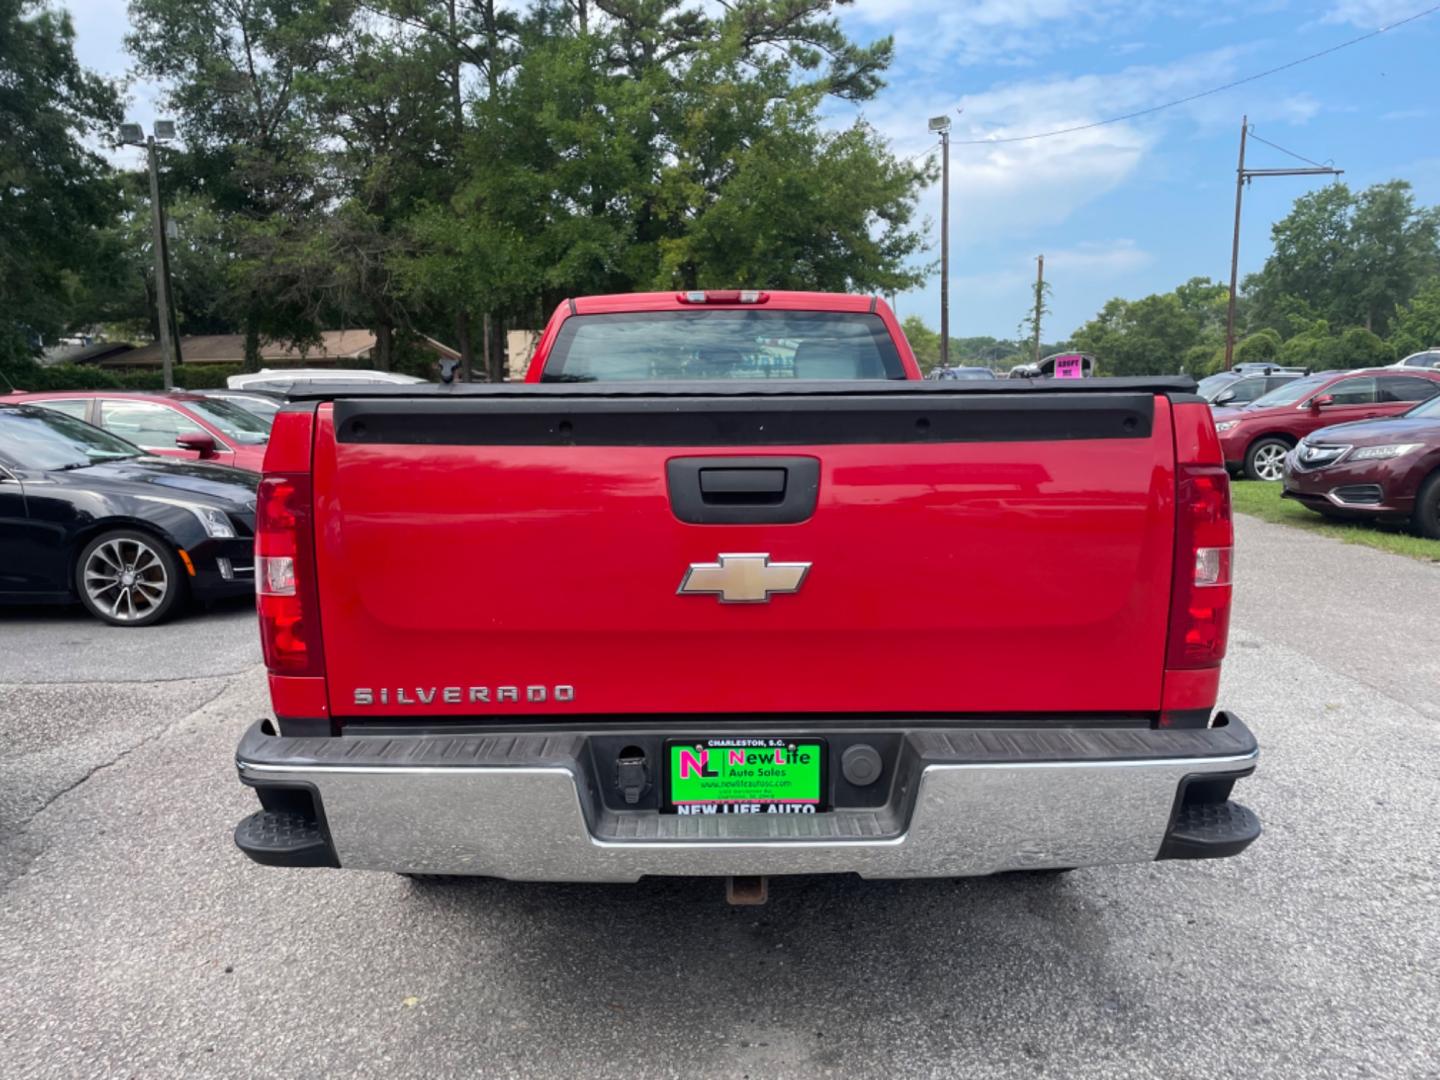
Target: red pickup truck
<point x="725" y="589"/>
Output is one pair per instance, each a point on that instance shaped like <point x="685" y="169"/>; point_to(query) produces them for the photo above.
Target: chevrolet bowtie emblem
<point x="744" y="579"/>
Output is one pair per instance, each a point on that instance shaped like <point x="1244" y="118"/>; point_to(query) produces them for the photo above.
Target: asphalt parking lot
<point x="136" y="941"/>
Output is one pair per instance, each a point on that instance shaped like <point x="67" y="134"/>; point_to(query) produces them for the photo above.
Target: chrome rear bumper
<point x="961" y="802"/>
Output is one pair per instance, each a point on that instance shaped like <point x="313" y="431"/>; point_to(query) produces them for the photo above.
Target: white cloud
<point x="1011" y="281"/>
<point x="1004" y="32"/>
<point x="1370" y="14"/>
<point x="1098" y="260"/>
<point x="1008" y="188"/>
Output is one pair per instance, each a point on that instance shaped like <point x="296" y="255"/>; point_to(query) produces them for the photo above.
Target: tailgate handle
<point x="743" y="490"/>
<point x="746" y="487"/>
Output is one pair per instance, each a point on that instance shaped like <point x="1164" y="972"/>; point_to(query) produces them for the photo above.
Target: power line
<point x="1197" y="96"/>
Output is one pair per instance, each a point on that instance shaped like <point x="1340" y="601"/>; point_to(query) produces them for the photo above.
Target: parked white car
<point x="1429" y="358"/>
<point x="282" y="379"/>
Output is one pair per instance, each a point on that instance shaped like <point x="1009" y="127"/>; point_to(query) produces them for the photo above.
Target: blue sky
<point x="1123" y="210"/>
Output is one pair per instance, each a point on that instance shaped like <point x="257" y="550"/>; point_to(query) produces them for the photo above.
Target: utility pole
<point x="941" y="124"/>
<point x="1039" y="301"/>
<point x="1242" y="177"/>
<point x="134" y="135"/>
<point x="162" y="267"/>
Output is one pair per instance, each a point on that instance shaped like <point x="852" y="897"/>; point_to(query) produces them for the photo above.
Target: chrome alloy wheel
<point x="1270" y="461"/>
<point x="126" y="579"/>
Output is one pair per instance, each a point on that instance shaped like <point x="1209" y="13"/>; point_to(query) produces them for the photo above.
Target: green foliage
<point x="1157" y="334"/>
<point x="982" y="351"/>
<point x="28" y="375"/>
<point x="1359" y="348"/>
<point x="408" y="164"/>
<point x="56" y="192"/>
<point x="1349" y="258"/>
<point x="1417" y="323"/>
<point x="1258" y="347"/>
<point x="924" y="342"/>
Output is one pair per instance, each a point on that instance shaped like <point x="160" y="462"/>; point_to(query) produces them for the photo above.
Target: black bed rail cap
<point x="1173" y="386"/>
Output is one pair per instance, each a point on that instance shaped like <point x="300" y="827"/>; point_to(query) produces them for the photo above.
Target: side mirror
<point x="198" y="441"/>
<point x="1324" y="401"/>
<point x="1225" y="397"/>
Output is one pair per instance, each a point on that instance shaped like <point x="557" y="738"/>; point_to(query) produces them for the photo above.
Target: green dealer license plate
<point x="745" y="776"/>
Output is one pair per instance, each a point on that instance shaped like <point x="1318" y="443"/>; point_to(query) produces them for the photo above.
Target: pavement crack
<point x="25" y="854"/>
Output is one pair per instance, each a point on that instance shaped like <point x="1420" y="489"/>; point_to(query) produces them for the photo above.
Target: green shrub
<point x="1258" y="347"/>
<point x="28" y="375"/>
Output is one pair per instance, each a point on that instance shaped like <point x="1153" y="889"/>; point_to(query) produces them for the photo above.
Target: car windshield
<point x="237" y="424"/>
<point x="1426" y="410"/>
<point x="723" y="343"/>
<point x="264" y="408"/>
<point x="36" y="438"/>
<point x="1211" y="385"/>
<point x="1290" y="393"/>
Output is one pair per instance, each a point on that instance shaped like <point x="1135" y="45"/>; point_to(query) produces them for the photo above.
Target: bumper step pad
<point x="1210" y="831"/>
<point x="276" y="838"/>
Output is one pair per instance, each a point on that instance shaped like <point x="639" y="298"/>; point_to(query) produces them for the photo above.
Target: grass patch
<point x="1260" y="499"/>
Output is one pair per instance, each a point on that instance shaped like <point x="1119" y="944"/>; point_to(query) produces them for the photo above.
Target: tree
<point x="656" y="145"/>
<point x="241" y="78"/>
<point x="56" y="193"/>
<point x="1154" y="335"/>
<point x="924" y="342"/>
<point x="1416" y="325"/>
<point x="1260" y="346"/>
<point x="1030" y="325"/>
<point x="1350" y="259"/>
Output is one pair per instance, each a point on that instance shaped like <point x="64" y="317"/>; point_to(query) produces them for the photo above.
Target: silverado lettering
<point x="454" y="695"/>
<point x="1021" y="584"/>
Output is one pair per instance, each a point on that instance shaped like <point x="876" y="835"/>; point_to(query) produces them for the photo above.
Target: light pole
<point x="1242" y="177"/>
<point x="941" y="124"/>
<point x="134" y="135"/>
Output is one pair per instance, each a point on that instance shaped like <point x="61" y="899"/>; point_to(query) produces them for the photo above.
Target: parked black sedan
<point x="87" y="516"/>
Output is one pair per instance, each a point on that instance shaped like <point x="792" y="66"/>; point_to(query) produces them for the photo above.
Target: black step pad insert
<point x="276" y="838"/>
<point x="1210" y="831"/>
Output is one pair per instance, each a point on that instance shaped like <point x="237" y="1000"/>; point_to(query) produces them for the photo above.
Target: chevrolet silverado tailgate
<point x="914" y="550"/>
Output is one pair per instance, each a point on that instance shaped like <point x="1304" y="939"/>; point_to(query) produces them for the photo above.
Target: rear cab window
<point x="668" y="346"/>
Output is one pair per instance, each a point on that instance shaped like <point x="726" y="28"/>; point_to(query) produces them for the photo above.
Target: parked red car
<point x="174" y="424"/>
<point x="1386" y="469"/>
<point x="1257" y="438"/>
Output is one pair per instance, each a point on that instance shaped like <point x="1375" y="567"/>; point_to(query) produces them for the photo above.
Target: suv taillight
<point x="285" y="592"/>
<point x="1204" y="550"/>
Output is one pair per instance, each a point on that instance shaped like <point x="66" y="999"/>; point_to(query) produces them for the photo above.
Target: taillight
<point x="1204" y="551"/>
<point x="286" y="597"/>
<point x="285" y="591"/>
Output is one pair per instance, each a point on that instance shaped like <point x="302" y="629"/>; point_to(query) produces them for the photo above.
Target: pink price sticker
<point x="1069" y="366"/>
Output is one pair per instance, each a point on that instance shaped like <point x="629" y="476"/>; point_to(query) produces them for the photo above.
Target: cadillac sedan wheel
<point x="1266" y="459"/>
<point x="128" y="578"/>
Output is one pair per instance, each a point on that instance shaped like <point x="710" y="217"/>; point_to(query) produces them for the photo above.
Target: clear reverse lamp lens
<point x="275" y="575"/>
<point x="1212" y="565"/>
